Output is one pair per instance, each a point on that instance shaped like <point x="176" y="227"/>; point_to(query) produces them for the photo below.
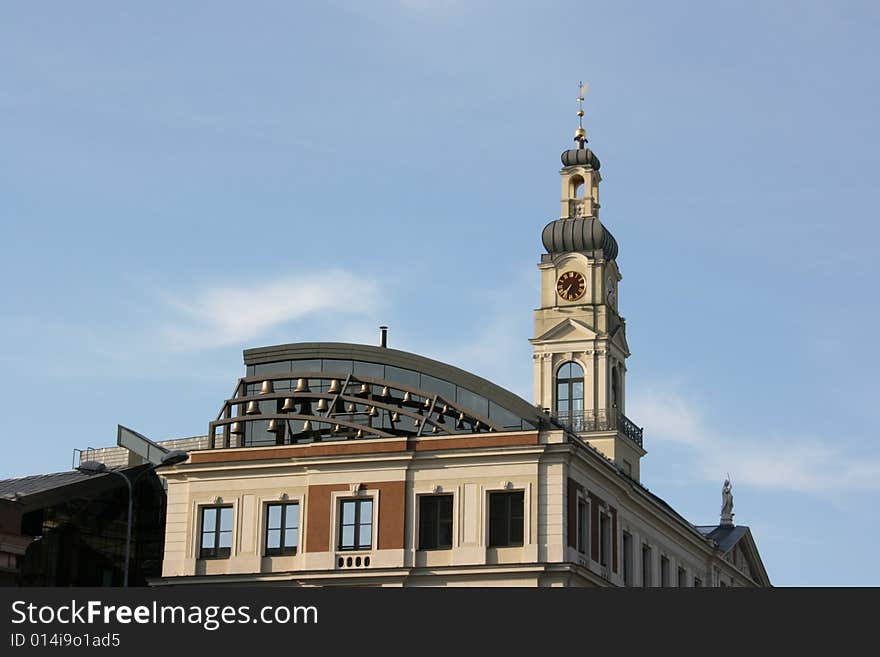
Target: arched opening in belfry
<point x="576" y="187"/>
<point x="570" y="392"/>
<point x="615" y="388"/>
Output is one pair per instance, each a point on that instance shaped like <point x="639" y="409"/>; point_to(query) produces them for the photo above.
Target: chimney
<point x="383" y="336"/>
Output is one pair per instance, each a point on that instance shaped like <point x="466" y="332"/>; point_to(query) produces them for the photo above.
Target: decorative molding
<point x="355" y="489"/>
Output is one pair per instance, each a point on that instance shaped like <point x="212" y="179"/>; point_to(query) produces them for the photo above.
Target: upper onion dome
<point x="579" y="234"/>
<point x="580" y="156"/>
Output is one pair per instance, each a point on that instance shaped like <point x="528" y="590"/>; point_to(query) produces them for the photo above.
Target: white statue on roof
<point x="726" y="503"/>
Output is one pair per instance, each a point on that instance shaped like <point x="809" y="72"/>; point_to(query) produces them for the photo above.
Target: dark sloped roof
<point x="725" y="535"/>
<point x="24" y="486"/>
<point x="36" y="491"/>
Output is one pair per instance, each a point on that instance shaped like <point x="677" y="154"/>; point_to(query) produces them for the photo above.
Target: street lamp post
<point x="96" y="467"/>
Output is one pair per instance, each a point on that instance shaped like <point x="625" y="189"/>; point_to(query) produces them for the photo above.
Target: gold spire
<point x="580" y="135"/>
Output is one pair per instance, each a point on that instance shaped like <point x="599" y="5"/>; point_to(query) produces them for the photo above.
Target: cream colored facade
<point x="587" y="521"/>
<point x="546" y="466"/>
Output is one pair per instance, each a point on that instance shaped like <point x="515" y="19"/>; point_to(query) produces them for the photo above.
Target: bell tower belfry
<point x="580" y="347"/>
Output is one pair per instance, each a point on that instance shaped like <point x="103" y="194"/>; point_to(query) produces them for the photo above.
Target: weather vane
<point x="580" y="135"/>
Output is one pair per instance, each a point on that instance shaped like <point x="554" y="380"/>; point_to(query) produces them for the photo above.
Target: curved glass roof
<point x="335" y="391"/>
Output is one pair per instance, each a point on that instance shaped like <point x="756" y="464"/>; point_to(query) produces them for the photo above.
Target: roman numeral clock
<point x="571" y="286"/>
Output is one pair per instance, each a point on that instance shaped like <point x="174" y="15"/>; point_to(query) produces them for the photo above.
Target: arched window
<point x="570" y="393"/>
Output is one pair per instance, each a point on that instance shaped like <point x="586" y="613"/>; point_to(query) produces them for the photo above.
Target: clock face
<point x="571" y="286"/>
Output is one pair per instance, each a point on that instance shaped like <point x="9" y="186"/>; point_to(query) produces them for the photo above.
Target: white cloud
<point x="235" y="314"/>
<point x="786" y="462"/>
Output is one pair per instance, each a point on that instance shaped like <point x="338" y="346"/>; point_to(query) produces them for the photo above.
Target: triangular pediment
<point x="738" y="547"/>
<point x="619" y="340"/>
<point x="569" y="329"/>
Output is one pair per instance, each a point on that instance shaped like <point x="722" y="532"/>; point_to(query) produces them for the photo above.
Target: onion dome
<point x="580" y="157"/>
<point x="579" y="234"/>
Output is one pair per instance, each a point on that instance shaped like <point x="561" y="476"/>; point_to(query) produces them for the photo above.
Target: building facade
<point x="354" y="464"/>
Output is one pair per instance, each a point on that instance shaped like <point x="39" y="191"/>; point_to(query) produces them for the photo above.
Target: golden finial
<point x="580" y="135"/>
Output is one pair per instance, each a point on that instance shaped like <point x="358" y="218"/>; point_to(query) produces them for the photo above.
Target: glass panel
<point x="226" y="519"/>
<point x="562" y="406"/>
<point x="516" y="518"/>
<point x="577" y="390"/>
<point x="305" y="366"/>
<point x="272" y="368"/>
<point x="274" y="516"/>
<point x="336" y="366"/>
<point x="426" y="522"/>
<point x="208" y="539"/>
<point x="504" y="417"/>
<point x="445" y="504"/>
<point x="291" y="519"/>
<point x="290" y="537"/>
<point x="348" y="513"/>
<point x="225" y="540"/>
<point x="407" y="377"/>
<point x="470" y="400"/>
<point x="562" y="391"/>
<point x="273" y="538"/>
<point x="516" y="505"/>
<point x="439" y="386"/>
<point x="348" y="536"/>
<point x="497" y="519"/>
<point x="445" y="535"/>
<point x="365" y="536"/>
<point x="374" y="370"/>
<point x="366" y="511"/>
<point x="209" y="519"/>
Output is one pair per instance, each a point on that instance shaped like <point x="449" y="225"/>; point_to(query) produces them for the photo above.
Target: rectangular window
<point x="582" y="524"/>
<point x="282" y="528"/>
<point x="682" y="577"/>
<point x="216" y="532"/>
<point x="627" y="559"/>
<point x="506" y="519"/>
<point x="435" y="522"/>
<point x="604" y="538"/>
<point x="664" y="571"/>
<point x="356" y="524"/>
<point x="646" y="566"/>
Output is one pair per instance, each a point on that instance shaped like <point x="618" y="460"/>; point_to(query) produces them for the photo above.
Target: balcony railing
<point x="602" y="420"/>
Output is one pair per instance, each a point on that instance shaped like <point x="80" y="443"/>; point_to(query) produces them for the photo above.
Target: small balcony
<point x="602" y="420"/>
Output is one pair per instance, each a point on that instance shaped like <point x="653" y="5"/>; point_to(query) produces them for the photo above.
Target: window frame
<point x="215" y="552"/>
<point x="569" y="383"/>
<point x="682" y="577"/>
<point x="628" y="558"/>
<point x="583" y="524"/>
<point x="604" y="539"/>
<point x="358" y="523"/>
<point x="647" y="572"/>
<point x="282" y="550"/>
<point x="664" y="571"/>
<point x="509" y="494"/>
<point x="424" y="498"/>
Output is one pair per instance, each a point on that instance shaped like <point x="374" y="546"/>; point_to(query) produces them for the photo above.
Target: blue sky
<point x="180" y="181"/>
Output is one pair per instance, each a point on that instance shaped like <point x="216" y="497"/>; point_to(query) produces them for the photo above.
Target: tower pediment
<point x="619" y="340"/>
<point x="568" y="329"/>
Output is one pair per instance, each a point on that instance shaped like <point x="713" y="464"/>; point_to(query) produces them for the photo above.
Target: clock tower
<point x="580" y="347"/>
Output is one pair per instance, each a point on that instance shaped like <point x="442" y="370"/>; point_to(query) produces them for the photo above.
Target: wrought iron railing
<point x="602" y="420"/>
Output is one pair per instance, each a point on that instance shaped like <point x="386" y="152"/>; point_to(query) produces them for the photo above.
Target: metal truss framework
<point x="347" y="409"/>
